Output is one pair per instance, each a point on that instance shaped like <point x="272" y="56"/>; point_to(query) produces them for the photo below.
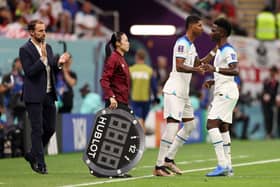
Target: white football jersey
<point x="178" y="83"/>
<point x="224" y="56"/>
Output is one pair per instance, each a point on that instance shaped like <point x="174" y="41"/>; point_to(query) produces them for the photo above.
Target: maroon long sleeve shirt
<point x="115" y="80"/>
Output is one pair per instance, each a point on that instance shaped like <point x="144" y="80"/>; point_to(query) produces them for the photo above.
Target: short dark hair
<point x="32" y="24"/>
<point x="191" y="20"/>
<point x="273" y="69"/>
<point x="224" y="24"/>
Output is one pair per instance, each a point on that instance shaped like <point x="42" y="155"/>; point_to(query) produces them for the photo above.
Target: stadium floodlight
<point x="158" y="30"/>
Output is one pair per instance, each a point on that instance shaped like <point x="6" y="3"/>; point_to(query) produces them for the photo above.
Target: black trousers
<point x="42" y="117"/>
<point x="268" y="117"/>
<point x="245" y="122"/>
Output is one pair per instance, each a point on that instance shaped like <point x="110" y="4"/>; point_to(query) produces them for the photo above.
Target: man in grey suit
<point x="39" y="93"/>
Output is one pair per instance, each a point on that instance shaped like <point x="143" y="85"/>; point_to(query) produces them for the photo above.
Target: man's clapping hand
<point x="64" y="58"/>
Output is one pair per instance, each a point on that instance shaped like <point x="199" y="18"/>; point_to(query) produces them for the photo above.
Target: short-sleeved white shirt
<point x="225" y="55"/>
<point x="178" y="83"/>
<point x="225" y="91"/>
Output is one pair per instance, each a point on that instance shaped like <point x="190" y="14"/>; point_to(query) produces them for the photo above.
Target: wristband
<point x="212" y="53"/>
<point x="217" y="69"/>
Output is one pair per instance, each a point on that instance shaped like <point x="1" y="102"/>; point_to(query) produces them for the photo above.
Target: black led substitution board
<point x="116" y="144"/>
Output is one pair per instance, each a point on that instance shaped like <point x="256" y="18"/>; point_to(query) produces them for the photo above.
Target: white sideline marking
<point x="186" y="171"/>
<point x="195" y="161"/>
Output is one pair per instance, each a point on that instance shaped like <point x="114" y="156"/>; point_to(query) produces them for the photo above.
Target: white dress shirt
<point x="48" y="69"/>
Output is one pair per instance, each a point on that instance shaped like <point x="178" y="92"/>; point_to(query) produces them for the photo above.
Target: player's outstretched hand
<point x="208" y="68"/>
<point x="200" y="69"/>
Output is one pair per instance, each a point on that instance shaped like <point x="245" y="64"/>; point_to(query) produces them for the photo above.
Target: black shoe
<point x="42" y="170"/>
<point x="33" y="164"/>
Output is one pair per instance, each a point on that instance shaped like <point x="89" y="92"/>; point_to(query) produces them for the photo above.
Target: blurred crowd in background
<point x="65" y="17"/>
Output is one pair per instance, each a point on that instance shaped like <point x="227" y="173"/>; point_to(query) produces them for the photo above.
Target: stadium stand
<point x="248" y="10"/>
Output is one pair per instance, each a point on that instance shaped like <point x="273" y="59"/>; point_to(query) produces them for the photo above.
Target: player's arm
<point x="183" y="58"/>
<point x="232" y="70"/>
<point x="230" y="57"/>
<point x="181" y="67"/>
<point x="207" y="59"/>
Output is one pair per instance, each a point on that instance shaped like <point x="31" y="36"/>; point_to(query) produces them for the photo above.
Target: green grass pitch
<point x="256" y="164"/>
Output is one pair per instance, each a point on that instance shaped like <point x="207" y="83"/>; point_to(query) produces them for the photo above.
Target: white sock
<point x="181" y="137"/>
<point x="166" y="140"/>
<point x="227" y="147"/>
<point x="217" y="142"/>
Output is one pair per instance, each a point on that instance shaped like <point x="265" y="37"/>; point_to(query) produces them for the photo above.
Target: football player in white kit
<point x="225" y="97"/>
<point x="177" y="106"/>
